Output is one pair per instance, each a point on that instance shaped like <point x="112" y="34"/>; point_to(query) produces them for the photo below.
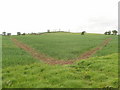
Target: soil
<point x="52" y="61"/>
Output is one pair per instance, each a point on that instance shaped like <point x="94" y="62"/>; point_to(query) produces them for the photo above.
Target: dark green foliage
<point x="8" y="34"/>
<point x="23" y="34"/>
<point x="114" y="32"/>
<point x="4" y="33"/>
<point x="83" y="32"/>
<point x="109" y="32"/>
<point x="106" y="33"/>
<point x="18" y="33"/>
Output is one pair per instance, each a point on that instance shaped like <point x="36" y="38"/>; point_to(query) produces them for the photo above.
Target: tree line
<point x="113" y="32"/>
<point x="19" y="33"/>
<point x="9" y="34"/>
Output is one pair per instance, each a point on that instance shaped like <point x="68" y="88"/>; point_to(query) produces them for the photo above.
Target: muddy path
<point x="50" y="60"/>
<point x="94" y="50"/>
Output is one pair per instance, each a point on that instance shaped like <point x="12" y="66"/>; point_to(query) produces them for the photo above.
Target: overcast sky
<point x="92" y="16"/>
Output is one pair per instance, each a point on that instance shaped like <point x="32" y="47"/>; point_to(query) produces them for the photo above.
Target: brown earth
<point x="50" y="60"/>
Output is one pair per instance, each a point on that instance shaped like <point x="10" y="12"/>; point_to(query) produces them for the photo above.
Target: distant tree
<point x="109" y="32"/>
<point x="18" y="33"/>
<point x="48" y="30"/>
<point x="33" y="33"/>
<point x="4" y="33"/>
<point x="23" y="34"/>
<point x="83" y="32"/>
<point x="8" y="34"/>
<point x="114" y="32"/>
<point x="106" y="33"/>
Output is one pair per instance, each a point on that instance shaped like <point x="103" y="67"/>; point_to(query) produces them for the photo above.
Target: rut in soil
<point x="50" y="60"/>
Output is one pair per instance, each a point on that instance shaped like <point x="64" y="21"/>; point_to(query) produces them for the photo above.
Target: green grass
<point x="66" y="45"/>
<point x="112" y="47"/>
<point x="21" y="70"/>
<point x="97" y="72"/>
<point x="13" y="55"/>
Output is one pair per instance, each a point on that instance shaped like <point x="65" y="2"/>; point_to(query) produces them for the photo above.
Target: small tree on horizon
<point x="48" y="30"/>
<point x="4" y="33"/>
<point x="23" y="34"/>
<point x="109" y="32"/>
<point x="8" y="34"/>
<point x="106" y="33"/>
<point x="18" y="33"/>
<point x="83" y="32"/>
<point x="114" y="32"/>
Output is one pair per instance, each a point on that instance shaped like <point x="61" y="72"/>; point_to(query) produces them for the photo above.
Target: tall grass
<point x="112" y="47"/>
<point x="13" y="55"/>
<point x="98" y="72"/>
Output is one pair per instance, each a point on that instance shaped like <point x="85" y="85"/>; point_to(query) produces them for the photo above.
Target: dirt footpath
<point x="50" y="60"/>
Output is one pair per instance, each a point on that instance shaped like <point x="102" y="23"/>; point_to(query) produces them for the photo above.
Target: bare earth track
<point x="50" y="60"/>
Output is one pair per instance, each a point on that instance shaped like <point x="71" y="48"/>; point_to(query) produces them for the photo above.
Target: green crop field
<point x="22" y="70"/>
<point x="68" y="46"/>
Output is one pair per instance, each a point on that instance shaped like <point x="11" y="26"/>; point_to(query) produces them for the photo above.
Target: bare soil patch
<point x="50" y="60"/>
<point x="94" y="50"/>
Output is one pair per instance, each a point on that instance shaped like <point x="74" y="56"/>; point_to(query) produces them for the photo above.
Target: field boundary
<point x="50" y="60"/>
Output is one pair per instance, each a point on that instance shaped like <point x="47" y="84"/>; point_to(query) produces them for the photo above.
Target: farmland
<point x="67" y="46"/>
<point x="22" y="70"/>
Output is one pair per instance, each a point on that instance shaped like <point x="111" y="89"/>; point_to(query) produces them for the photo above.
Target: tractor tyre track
<point x="50" y="60"/>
